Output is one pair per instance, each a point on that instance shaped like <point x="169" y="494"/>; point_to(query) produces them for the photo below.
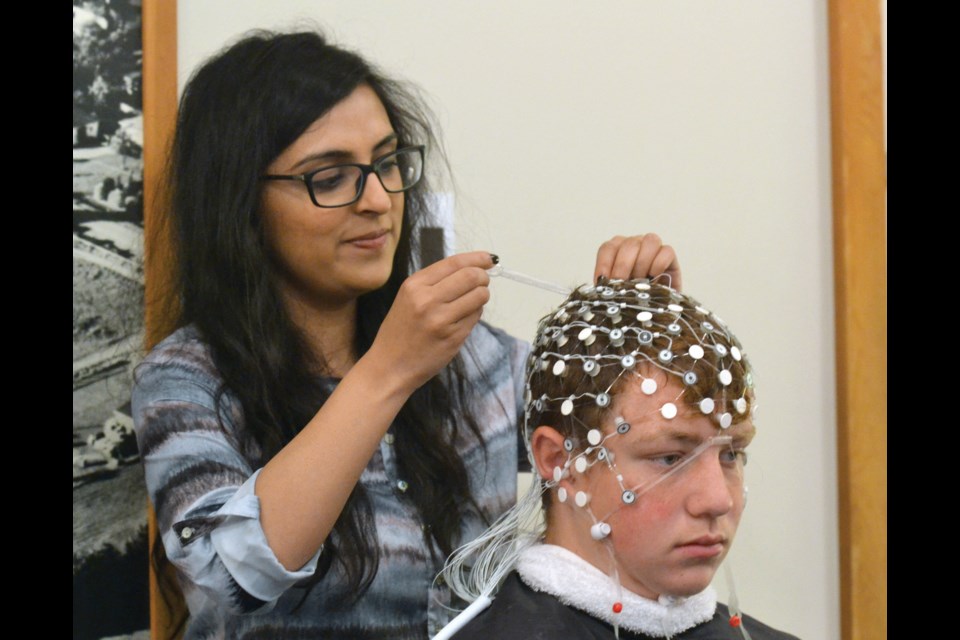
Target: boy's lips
<point x="705" y="541"/>
<point x="704" y="546"/>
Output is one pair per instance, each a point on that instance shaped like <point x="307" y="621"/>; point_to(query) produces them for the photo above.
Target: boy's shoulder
<point x="720" y="627"/>
<point x="519" y="612"/>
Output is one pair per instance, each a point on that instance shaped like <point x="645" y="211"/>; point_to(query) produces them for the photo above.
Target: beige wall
<point x="706" y="122"/>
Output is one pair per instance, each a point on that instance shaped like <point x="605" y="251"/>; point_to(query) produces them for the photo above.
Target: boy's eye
<point x="668" y="459"/>
<point x="733" y="456"/>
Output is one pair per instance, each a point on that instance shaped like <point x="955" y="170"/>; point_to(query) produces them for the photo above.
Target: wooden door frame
<point x="860" y="268"/>
<point x="160" y="101"/>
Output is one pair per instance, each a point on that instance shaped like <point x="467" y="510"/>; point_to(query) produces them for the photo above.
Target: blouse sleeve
<point x="519" y="357"/>
<point x="202" y="486"/>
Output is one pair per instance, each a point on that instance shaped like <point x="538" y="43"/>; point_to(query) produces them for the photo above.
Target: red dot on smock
<point x="617" y="607"/>
<point x="735" y="621"/>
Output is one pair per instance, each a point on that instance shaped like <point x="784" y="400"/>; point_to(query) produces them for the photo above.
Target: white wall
<point x="706" y="122"/>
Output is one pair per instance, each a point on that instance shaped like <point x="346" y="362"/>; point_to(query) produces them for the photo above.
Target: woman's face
<point x="326" y="257"/>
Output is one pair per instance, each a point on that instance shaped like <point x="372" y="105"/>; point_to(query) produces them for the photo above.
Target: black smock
<point x="520" y="613"/>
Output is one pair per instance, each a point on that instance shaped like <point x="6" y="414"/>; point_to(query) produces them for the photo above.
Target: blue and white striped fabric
<point x="200" y="480"/>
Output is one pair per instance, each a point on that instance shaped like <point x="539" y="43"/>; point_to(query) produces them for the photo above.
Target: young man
<point x="638" y="414"/>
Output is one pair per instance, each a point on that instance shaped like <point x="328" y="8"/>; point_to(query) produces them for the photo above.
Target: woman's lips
<point x="374" y="240"/>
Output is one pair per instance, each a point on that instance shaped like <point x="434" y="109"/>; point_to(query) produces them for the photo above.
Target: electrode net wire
<point x="646" y="486"/>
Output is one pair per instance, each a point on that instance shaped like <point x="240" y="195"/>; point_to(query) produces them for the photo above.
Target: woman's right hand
<point x="435" y="310"/>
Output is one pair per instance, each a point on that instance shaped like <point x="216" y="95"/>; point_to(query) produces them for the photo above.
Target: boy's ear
<point x="548" y="452"/>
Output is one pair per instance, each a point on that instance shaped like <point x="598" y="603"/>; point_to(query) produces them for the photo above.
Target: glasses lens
<point x="335" y="186"/>
<point x="400" y="170"/>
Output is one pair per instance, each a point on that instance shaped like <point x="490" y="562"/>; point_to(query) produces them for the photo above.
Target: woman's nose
<point x="374" y="198"/>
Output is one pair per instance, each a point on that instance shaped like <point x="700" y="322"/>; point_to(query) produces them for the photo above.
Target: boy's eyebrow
<point x="741" y="434"/>
<point x="668" y="436"/>
<point x="745" y="433"/>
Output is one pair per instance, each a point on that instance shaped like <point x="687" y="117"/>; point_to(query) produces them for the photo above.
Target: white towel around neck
<point x="577" y="583"/>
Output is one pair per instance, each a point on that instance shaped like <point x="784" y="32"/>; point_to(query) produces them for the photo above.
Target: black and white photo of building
<point x="110" y="554"/>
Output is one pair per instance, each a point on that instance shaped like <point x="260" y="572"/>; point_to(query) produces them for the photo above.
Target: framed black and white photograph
<point x="110" y="550"/>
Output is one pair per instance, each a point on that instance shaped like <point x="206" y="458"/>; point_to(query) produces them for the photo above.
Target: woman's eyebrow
<point x="387" y="140"/>
<point x="333" y="155"/>
<point x="341" y="155"/>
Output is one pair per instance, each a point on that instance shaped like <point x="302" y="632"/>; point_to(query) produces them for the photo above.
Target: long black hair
<point x="238" y="112"/>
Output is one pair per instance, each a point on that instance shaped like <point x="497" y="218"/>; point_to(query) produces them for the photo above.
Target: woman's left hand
<point x="643" y="256"/>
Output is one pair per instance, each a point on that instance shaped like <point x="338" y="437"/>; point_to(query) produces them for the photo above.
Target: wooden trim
<point x="160" y="112"/>
<point x="860" y="262"/>
<point x="159" y="116"/>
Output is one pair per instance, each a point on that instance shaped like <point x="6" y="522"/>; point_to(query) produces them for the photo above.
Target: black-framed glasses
<point x="342" y="184"/>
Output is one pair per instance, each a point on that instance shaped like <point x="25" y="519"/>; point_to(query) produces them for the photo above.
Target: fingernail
<point x="495" y="258"/>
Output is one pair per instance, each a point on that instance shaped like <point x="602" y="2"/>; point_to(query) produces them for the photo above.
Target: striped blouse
<point x="200" y="480"/>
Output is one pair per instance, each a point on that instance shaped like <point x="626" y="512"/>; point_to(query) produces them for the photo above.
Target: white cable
<point x="463" y="618"/>
<point x="477" y="568"/>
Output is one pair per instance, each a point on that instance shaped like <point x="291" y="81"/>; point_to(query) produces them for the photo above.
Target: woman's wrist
<point x="385" y="381"/>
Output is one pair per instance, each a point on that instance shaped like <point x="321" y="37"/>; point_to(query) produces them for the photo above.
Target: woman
<point x="324" y="426"/>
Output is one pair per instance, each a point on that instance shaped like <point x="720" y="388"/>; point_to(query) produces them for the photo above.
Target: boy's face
<point x="673" y="537"/>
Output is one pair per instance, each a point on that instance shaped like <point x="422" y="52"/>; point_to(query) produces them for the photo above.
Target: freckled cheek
<point x="656" y="510"/>
<point x="645" y="514"/>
